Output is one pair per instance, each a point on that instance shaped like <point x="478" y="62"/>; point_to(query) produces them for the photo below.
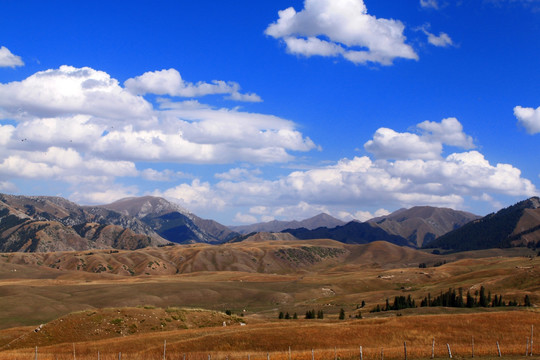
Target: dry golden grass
<point x="510" y="329"/>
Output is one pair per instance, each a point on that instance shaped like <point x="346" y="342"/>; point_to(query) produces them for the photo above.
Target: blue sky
<point x="248" y="111"/>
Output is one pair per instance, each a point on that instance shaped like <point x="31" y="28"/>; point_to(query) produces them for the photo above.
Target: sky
<point x="249" y="111"/>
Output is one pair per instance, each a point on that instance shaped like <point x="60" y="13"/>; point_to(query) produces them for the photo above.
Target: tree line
<point x="453" y="298"/>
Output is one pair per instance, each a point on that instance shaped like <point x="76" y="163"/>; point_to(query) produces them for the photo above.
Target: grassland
<point x="269" y="277"/>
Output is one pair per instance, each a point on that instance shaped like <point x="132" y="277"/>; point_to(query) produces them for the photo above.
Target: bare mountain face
<point x="422" y="224"/>
<point x="406" y="227"/>
<point x="171" y="221"/>
<point x="516" y="225"/>
<point x="321" y="220"/>
<point x="44" y="223"/>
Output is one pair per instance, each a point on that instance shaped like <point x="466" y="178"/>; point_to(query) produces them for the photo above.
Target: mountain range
<point x="317" y="221"/>
<point x="412" y="227"/>
<point x="46" y="224"/>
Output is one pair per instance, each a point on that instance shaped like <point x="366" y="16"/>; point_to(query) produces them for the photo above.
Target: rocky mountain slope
<point x="171" y="221"/>
<point x="406" y="227"/>
<point x="42" y="224"/>
<point x="317" y="221"/>
<point x="422" y="224"/>
<point x="516" y="225"/>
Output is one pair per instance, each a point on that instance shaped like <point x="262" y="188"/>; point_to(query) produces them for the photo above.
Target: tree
<point x="295" y="316"/>
<point x="483" y="299"/>
<point x="280" y="315"/>
<point x="287" y="316"/>
<point x="320" y="314"/>
<point x="363" y="303"/>
<point x="527" y="301"/>
<point x="341" y="314"/>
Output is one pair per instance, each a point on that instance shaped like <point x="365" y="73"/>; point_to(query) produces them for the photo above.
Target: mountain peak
<point x="142" y="206"/>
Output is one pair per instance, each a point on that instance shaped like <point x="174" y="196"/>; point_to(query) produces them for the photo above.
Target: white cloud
<point x="170" y="82"/>
<point x="7" y="187"/>
<point x="238" y="174"/>
<point x="449" y="132"/>
<point x="244" y="218"/>
<point x="429" y="4"/>
<point x="194" y="196"/>
<point x="103" y="194"/>
<point x="529" y="118"/>
<point x="88" y="111"/>
<point x="441" y="40"/>
<point x="71" y="91"/>
<point x="389" y="144"/>
<point x="343" y="27"/>
<point x="414" y="179"/>
<point x="164" y="175"/>
<point x="7" y="59"/>
<point x="362" y="215"/>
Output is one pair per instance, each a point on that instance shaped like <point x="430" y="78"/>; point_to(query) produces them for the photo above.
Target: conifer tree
<point x="341" y="314"/>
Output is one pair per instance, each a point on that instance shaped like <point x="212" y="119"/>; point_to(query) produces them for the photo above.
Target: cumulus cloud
<point x="194" y="196"/>
<point x="341" y="28"/>
<point x="529" y="118"/>
<point x="7" y="59"/>
<point x="88" y="111"/>
<point x="170" y="82"/>
<point x="414" y="179"/>
<point x="69" y="91"/>
<point x="389" y="144"/>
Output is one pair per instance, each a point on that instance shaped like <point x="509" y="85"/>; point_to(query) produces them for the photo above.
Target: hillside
<point x="422" y="224"/>
<point x="350" y="233"/>
<point x="41" y="224"/>
<point x="171" y="221"/>
<point x="261" y="277"/>
<point x="405" y="227"/>
<point x="321" y="220"/>
<point x="98" y="324"/>
<point x="516" y="225"/>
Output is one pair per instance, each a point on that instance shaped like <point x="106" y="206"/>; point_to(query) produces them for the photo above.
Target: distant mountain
<point x="411" y="227"/>
<point x="517" y="225"/>
<point x="351" y="233"/>
<point x="171" y="221"/>
<point x="321" y="220"/>
<point x="45" y="223"/>
<point x="423" y="224"/>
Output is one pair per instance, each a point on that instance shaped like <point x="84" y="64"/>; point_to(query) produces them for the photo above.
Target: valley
<point x="119" y="297"/>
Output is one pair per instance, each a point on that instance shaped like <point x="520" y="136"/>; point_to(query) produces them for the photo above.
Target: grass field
<point x="327" y="337"/>
<point x="34" y="293"/>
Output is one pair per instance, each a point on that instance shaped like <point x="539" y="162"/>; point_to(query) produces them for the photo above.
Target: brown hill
<point x="42" y="224"/>
<point x="422" y="224"/>
<point x="171" y="221"/>
<point x="263" y="256"/>
<point x="98" y="324"/>
<point x="516" y="225"/>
